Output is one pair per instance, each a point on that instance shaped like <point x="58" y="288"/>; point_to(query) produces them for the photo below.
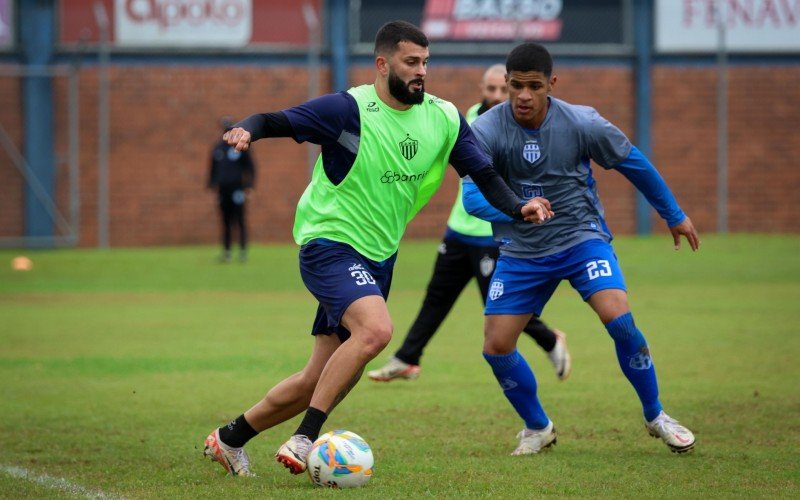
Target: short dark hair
<point x="530" y="56"/>
<point x="394" y="32"/>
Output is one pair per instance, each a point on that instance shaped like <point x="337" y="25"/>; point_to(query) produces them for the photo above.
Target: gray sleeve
<point x="482" y="128"/>
<point x="608" y="146"/>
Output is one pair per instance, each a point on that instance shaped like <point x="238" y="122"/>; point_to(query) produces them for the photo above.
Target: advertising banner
<point x="186" y="24"/>
<point x="493" y="20"/>
<point x="575" y="23"/>
<point x="198" y="23"/>
<point x="750" y="25"/>
<point x="6" y="23"/>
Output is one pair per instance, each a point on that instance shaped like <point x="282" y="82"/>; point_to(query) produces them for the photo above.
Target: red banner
<point x="188" y="23"/>
<point x="492" y="19"/>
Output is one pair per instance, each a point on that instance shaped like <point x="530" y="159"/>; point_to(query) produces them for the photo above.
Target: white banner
<point x="750" y="25"/>
<point x="6" y="23"/>
<point x="183" y="23"/>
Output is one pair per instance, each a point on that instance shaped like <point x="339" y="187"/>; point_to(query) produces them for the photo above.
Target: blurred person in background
<point x="232" y="174"/>
<point x="468" y="250"/>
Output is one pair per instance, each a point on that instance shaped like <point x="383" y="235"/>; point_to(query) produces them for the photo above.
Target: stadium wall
<point x="164" y="121"/>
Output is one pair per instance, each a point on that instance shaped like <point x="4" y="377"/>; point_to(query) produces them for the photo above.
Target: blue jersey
<point x="333" y="122"/>
<point x="554" y="162"/>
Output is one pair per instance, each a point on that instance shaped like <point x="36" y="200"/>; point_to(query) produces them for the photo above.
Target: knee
<point x="496" y="344"/>
<point x="375" y="338"/>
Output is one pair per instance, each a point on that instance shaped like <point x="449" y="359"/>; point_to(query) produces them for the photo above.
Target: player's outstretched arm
<point x="258" y="126"/>
<point x="686" y="229"/>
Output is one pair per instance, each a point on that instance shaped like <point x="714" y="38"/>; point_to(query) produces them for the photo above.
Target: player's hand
<point x="537" y="210"/>
<point x="685" y="228"/>
<point x="237" y="137"/>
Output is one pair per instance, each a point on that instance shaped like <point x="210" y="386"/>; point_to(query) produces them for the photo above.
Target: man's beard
<point x="399" y="90"/>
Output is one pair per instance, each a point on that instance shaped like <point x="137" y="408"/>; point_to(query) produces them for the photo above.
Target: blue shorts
<point x="523" y="286"/>
<point x="337" y="275"/>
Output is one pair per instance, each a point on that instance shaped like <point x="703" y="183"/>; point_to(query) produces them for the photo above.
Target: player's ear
<point x="382" y="65"/>
<point x="552" y="83"/>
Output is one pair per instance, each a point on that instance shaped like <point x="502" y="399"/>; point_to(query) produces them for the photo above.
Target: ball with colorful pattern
<point x="340" y="459"/>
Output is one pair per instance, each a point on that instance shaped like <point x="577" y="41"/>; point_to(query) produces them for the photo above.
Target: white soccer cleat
<point x="533" y="441"/>
<point x="293" y="454"/>
<point x="234" y="460"/>
<point x="395" y="369"/>
<point x="678" y="438"/>
<point x="559" y="356"/>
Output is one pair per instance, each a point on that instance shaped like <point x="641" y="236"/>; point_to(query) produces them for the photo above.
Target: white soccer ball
<point x="340" y="459"/>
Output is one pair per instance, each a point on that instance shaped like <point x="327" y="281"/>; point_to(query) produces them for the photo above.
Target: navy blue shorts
<point x="337" y="275"/>
<point x="522" y="286"/>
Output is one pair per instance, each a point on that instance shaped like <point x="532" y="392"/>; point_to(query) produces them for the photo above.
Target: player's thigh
<point x="369" y="321"/>
<point x="595" y="273"/>
<point x="483" y="261"/>
<point x="338" y="276"/>
<point x="520" y="286"/>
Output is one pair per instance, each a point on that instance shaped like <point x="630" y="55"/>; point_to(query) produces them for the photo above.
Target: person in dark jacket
<point x="232" y="175"/>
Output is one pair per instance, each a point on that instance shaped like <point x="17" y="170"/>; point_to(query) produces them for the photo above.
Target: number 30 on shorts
<point x="363" y="278"/>
<point x="597" y="268"/>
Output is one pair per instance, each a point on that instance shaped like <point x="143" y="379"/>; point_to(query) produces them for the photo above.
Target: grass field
<point x="116" y="364"/>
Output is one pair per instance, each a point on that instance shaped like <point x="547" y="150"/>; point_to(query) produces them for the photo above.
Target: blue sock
<point x="634" y="359"/>
<point x="519" y="386"/>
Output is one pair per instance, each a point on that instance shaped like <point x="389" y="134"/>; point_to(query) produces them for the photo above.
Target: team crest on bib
<point x="531" y="152"/>
<point x="496" y="290"/>
<point x="408" y="147"/>
<point x="487" y="266"/>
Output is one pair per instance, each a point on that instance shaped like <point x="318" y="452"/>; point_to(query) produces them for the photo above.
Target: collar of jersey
<point x="391" y="109"/>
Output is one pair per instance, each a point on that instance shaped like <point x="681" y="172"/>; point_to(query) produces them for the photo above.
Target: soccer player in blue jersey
<point x="385" y="148"/>
<point x="542" y="146"/>
<point x="468" y="250"/>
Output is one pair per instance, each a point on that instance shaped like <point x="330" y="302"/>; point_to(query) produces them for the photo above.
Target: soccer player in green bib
<point x="385" y="148"/>
<point x="468" y="250"/>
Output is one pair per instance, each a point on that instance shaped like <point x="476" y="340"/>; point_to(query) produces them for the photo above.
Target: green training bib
<point x="460" y="221"/>
<point x="400" y="163"/>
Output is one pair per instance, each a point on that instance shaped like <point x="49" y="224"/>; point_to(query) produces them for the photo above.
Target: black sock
<point x="312" y="423"/>
<point x="237" y="433"/>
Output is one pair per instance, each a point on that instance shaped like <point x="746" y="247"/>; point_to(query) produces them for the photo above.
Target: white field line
<point x="54" y="483"/>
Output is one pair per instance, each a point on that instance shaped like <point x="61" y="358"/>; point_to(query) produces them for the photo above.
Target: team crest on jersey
<point x="487" y="266"/>
<point x="531" y="151"/>
<point x="496" y="290"/>
<point x="408" y="147"/>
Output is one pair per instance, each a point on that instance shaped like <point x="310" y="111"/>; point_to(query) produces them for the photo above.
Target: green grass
<point x="116" y="364"/>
